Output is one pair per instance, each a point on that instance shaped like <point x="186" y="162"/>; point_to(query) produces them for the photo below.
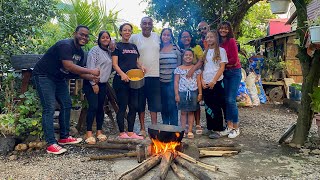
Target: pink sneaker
<point x="124" y="136"/>
<point x="69" y="140"/>
<point x="135" y="136"/>
<point x="55" y="149"/>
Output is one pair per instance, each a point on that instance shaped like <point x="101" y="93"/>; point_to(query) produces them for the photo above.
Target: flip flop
<point x="90" y="140"/>
<point x="190" y="135"/>
<point x="198" y="130"/>
<point x="102" y="137"/>
<point x="124" y="136"/>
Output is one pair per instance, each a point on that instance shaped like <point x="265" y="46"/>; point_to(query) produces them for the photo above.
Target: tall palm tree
<point x="92" y="14"/>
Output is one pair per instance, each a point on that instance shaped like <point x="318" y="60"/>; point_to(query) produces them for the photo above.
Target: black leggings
<point x="125" y="97"/>
<point x="96" y="102"/>
<point x="214" y="101"/>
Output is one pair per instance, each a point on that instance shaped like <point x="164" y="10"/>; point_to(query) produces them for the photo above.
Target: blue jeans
<point x="49" y="91"/>
<point x="169" y="110"/>
<point x="231" y="82"/>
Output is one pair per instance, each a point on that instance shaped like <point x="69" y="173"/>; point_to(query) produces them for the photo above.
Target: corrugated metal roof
<point x="259" y="41"/>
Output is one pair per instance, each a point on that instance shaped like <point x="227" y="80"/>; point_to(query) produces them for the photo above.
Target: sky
<point x="131" y="10"/>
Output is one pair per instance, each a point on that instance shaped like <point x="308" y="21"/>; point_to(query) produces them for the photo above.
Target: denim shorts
<point x="150" y="93"/>
<point x="188" y="101"/>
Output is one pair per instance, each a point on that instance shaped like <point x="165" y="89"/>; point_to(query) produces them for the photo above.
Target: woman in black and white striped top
<point x="170" y="58"/>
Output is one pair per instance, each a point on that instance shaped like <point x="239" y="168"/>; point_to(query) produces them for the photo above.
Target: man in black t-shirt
<point x="64" y="59"/>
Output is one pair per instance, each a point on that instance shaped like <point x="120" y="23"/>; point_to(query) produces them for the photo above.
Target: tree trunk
<point x="237" y="18"/>
<point x="310" y="66"/>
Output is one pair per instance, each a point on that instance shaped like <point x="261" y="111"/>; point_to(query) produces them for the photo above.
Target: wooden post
<point x="26" y="76"/>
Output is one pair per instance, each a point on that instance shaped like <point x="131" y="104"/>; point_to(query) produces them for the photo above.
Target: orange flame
<point x="161" y="147"/>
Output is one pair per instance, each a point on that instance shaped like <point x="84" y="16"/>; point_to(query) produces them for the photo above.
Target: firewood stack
<point x="183" y="154"/>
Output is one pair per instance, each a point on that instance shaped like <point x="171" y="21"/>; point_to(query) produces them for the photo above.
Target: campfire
<point x="167" y="150"/>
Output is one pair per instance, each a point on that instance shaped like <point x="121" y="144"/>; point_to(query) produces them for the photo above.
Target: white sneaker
<point x="234" y="133"/>
<point x="226" y="132"/>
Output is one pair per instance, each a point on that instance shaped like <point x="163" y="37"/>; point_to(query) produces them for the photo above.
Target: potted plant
<point x="315" y="105"/>
<point x="279" y="6"/>
<point x="314" y="28"/>
<point x="7" y="130"/>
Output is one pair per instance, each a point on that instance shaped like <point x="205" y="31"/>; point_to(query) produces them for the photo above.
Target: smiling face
<point x="126" y="32"/>
<point x="188" y="57"/>
<point x="185" y="39"/>
<point x="211" y="38"/>
<point x="105" y="40"/>
<point x="224" y="31"/>
<point x="203" y="28"/>
<point x="146" y="26"/>
<point x="166" y="37"/>
<point x="81" y="36"/>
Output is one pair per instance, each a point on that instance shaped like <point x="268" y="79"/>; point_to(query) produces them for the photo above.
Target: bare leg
<point x="183" y="119"/>
<point x="235" y="125"/>
<point x="89" y="134"/>
<point x="230" y="125"/>
<point x="141" y="118"/>
<point x="190" y="120"/>
<point x="153" y="117"/>
<point x="197" y="116"/>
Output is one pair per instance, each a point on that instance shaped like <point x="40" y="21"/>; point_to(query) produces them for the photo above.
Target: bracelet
<point x="200" y="94"/>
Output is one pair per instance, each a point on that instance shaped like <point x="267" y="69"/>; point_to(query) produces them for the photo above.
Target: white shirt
<point x="211" y="66"/>
<point x="149" y="50"/>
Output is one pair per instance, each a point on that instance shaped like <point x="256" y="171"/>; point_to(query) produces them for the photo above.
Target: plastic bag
<point x="261" y="94"/>
<point x="243" y="98"/>
<point x="252" y="89"/>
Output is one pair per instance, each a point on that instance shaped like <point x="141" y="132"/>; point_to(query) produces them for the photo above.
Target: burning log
<point x="164" y="166"/>
<point x="205" y="153"/>
<point x="177" y="171"/>
<point x="141" y="169"/>
<point x="109" y="146"/>
<point x="192" y="169"/>
<point x="201" y="164"/>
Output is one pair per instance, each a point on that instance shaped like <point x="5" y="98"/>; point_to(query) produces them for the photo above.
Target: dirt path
<point x="261" y="157"/>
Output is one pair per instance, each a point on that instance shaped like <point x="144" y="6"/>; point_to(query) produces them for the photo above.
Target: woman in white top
<point x="95" y="92"/>
<point x="213" y="92"/>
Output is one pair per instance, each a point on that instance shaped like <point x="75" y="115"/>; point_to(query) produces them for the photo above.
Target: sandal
<point x="124" y="136"/>
<point x="135" y="136"/>
<point x="198" y="129"/>
<point x="90" y="140"/>
<point x="102" y="137"/>
<point x="142" y="133"/>
<point x="190" y="135"/>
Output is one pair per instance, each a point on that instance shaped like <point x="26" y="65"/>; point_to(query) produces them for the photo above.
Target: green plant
<point x="7" y="124"/>
<point x="297" y="86"/>
<point x="29" y="121"/>
<point x="313" y="22"/>
<point x="315" y="98"/>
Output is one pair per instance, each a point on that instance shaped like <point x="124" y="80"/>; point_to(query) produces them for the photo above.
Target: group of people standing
<point x="177" y="77"/>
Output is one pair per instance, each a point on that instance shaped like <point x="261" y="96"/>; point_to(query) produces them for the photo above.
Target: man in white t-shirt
<point x="148" y="44"/>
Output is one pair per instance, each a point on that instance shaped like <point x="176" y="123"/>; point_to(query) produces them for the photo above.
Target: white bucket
<point x="315" y="34"/>
<point x="279" y="6"/>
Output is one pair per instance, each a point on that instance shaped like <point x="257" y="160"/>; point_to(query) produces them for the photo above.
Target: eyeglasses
<point x="202" y="28"/>
<point x="84" y="35"/>
<point x="185" y="37"/>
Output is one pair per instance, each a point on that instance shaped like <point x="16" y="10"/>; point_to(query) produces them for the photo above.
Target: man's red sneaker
<point x="69" y="140"/>
<point x="55" y="149"/>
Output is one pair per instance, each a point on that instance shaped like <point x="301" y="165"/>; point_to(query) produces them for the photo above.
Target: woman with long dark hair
<point x="98" y="57"/>
<point x="170" y="58"/>
<point x="231" y="80"/>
